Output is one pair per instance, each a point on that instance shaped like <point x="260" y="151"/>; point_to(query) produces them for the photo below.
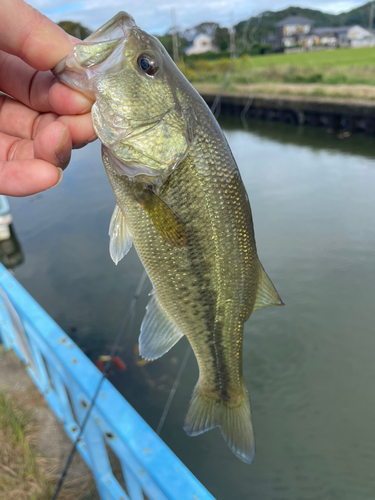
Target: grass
<point x="24" y="474"/>
<point x="338" y="57"/>
<point x="361" y="92"/>
<point x="329" y="67"/>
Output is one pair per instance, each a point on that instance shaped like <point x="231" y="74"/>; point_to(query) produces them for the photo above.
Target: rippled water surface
<point x="309" y="366"/>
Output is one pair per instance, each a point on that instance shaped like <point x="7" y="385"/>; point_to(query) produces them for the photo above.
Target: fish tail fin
<point x="235" y="421"/>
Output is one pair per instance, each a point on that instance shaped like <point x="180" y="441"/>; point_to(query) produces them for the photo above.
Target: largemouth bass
<point x="181" y="201"/>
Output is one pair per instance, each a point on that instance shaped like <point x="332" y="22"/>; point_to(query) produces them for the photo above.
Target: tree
<point x="203" y="28"/>
<point x="166" y="40"/>
<point x="221" y="38"/>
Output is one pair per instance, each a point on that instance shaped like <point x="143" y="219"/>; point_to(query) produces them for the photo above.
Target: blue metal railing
<point x="68" y="380"/>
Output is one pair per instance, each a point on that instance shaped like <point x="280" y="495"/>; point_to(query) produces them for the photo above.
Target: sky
<point x="155" y="16"/>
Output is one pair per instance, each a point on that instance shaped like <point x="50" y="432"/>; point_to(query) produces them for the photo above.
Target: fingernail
<point x="87" y="108"/>
<point x="92" y="139"/>
<point x="60" y="171"/>
<point x="62" y="149"/>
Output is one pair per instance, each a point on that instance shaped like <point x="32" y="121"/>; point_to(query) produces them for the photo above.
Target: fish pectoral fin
<point x="120" y="239"/>
<point x="166" y="222"/>
<point x="266" y="293"/>
<point x="158" y="332"/>
<point x="205" y="412"/>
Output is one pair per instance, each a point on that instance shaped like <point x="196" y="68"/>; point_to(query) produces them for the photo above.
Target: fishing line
<point x="237" y="54"/>
<point x="251" y="97"/>
<point x="173" y="390"/>
<point x="106" y="369"/>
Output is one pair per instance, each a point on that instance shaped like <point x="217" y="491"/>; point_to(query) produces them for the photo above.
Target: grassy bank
<point x="330" y="67"/>
<point x="347" y="92"/>
<point x="24" y="473"/>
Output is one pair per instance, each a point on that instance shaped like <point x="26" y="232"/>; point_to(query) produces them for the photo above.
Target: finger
<point x="80" y="127"/>
<point x="19" y="121"/>
<point x="52" y="143"/>
<point x="26" y="177"/>
<point x="16" y="119"/>
<point x="66" y="101"/>
<point x="39" y="90"/>
<point x="12" y="148"/>
<point x="31" y="36"/>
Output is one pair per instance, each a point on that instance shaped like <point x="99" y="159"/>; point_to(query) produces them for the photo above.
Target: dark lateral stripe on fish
<point x="214" y="328"/>
<point x="215" y="343"/>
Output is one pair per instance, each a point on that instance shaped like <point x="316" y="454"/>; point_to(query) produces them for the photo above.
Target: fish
<point x="181" y="201"/>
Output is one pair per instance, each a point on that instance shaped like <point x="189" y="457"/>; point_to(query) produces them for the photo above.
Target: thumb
<point x="28" y="34"/>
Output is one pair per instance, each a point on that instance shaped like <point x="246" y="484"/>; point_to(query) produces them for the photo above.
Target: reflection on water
<point x="10" y="250"/>
<point x="309" y="366"/>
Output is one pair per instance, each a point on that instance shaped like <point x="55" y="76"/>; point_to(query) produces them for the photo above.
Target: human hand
<point x="45" y="119"/>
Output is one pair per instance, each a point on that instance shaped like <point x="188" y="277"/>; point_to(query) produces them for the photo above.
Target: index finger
<point x="31" y="36"/>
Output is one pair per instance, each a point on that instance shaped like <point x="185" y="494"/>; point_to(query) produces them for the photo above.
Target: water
<point x="309" y="366"/>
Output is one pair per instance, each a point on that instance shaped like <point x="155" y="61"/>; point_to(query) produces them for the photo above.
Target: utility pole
<point x="371" y="20"/>
<point x="174" y="37"/>
<point x="231" y="37"/>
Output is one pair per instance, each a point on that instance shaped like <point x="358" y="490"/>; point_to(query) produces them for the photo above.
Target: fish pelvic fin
<point x="158" y="332"/>
<point x="266" y="292"/>
<point x="120" y="240"/>
<point x="204" y="413"/>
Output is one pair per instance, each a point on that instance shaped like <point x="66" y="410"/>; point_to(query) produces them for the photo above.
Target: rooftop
<point x="294" y="20"/>
<point x="336" y="30"/>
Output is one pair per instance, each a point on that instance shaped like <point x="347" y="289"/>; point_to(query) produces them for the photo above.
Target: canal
<point x="309" y="366"/>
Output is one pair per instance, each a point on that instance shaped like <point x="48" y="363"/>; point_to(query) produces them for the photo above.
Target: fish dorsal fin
<point x="120" y="240"/>
<point x="266" y="292"/>
<point x="167" y="223"/>
<point x="158" y="332"/>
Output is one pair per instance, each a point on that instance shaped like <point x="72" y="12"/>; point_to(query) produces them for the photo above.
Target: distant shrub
<point x="260" y="50"/>
<point x="303" y="78"/>
<point x="209" y="56"/>
<point x="336" y="79"/>
<point x="190" y="75"/>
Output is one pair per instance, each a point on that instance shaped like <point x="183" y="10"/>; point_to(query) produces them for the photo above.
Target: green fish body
<point x="181" y="201"/>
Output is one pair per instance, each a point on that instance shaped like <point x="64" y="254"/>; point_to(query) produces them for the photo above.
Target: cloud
<point x="156" y="17"/>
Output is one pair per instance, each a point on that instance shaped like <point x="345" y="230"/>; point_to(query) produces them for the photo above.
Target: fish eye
<point x="147" y="64"/>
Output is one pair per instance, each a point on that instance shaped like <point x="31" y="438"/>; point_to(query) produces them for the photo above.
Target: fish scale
<point x="212" y="248"/>
<point x="181" y="201"/>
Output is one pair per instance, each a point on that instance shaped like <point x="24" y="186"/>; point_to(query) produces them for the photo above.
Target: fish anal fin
<point x="120" y="239"/>
<point x="235" y="422"/>
<point x="158" y="332"/>
<point x="167" y="223"/>
<point x="266" y="293"/>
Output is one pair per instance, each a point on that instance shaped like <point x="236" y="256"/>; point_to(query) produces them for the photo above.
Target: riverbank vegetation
<point x="331" y="67"/>
<point x="24" y="473"/>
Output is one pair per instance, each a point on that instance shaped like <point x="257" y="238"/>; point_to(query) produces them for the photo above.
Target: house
<point x="289" y="32"/>
<point x="326" y="37"/>
<point x="201" y="43"/>
<point x="296" y="31"/>
<point x="360" y="37"/>
<point x="344" y="36"/>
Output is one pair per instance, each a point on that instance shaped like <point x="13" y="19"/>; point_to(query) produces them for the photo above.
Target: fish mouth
<point x="116" y="28"/>
<point x="78" y="67"/>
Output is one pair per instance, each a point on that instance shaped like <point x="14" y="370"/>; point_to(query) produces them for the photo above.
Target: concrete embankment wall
<point x="338" y="114"/>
